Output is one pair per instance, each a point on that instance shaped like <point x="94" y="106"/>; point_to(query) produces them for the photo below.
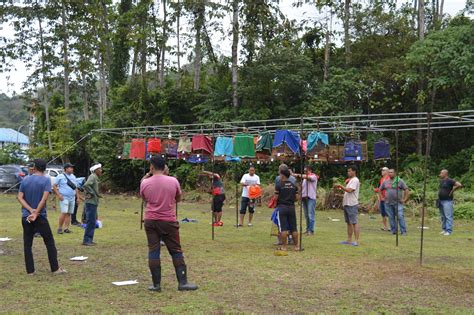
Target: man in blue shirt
<point x="33" y="195"/>
<point x="65" y="188"/>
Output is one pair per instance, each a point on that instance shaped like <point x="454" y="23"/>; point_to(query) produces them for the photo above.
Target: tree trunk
<point x="65" y="56"/>
<point x="85" y="96"/>
<point x="102" y="87"/>
<point x="178" y="48"/>
<point x="327" y="48"/>
<point x="134" y="61"/>
<point x="421" y="36"/>
<point x="441" y="9"/>
<point x="198" y="21"/>
<point x="235" y="46"/>
<point x="347" y="39"/>
<point x="163" y="47"/>
<point x="45" y="96"/>
<point x="157" y="44"/>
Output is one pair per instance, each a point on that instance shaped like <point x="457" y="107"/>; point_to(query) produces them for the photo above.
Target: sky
<point x="11" y="82"/>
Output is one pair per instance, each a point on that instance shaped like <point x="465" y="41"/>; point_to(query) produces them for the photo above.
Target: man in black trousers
<point x="33" y="195"/>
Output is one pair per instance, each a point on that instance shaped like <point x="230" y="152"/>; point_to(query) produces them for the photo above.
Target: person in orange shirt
<point x="381" y="198"/>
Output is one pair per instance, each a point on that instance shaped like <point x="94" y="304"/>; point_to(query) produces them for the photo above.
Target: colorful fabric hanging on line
<point x="243" y="146"/>
<point x="202" y="144"/>
<point x="316" y="138"/>
<point x="197" y="159"/>
<point x="264" y="142"/>
<point x="154" y="146"/>
<point x="184" y="145"/>
<point x="126" y="150"/>
<point x="138" y="149"/>
<point x="169" y="147"/>
<point x="382" y="150"/>
<point x="288" y="137"/>
<point x="224" y="146"/>
<point x="353" y="150"/>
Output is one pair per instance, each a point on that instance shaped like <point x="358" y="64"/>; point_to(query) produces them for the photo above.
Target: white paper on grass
<point x="128" y="282"/>
<point x="4" y="239"/>
<point x="335" y="220"/>
<point x="79" y="258"/>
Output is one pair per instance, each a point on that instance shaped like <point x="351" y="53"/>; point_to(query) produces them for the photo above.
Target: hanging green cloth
<point x="395" y="182"/>
<point x="126" y="150"/>
<point x="264" y="142"/>
<point x="244" y="146"/>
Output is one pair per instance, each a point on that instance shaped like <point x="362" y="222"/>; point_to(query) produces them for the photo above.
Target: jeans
<point x="40" y="225"/>
<point x="309" y="206"/>
<point x="390" y="209"/>
<point x="91" y="218"/>
<point x="446" y="210"/>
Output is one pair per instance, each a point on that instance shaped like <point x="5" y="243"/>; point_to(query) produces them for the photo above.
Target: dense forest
<point x="132" y="63"/>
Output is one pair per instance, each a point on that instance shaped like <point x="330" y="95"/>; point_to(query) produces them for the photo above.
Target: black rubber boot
<point x="183" y="284"/>
<point x="156" y="277"/>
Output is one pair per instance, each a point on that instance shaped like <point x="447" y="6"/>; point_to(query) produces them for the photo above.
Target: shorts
<point x="287" y="216"/>
<point x="217" y="203"/>
<point x="383" y="211"/>
<point x="246" y="202"/>
<point x="67" y="205"/>
<point x="351" y="213"/>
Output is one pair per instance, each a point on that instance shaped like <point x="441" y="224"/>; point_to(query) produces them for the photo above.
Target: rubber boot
<point x="156" y="277"/>
<point x="183" y="284"/>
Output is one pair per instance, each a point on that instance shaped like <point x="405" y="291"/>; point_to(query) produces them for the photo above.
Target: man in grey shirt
<point x="396" y="195"/>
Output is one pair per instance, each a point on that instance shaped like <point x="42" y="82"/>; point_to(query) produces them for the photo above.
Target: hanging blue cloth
<point x="196" y="160"/>
<point x="232" y="159"/>
<point x="317" y="137"/>
<point x="224" y="146"/>
<point x="382" y="150"/>
<point x="291" y="138"/>
<point x="353" y="150"/>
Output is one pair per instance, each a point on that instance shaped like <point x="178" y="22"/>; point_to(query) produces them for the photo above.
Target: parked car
<point x="53" y="171"/>
<point x="11" y="175"/>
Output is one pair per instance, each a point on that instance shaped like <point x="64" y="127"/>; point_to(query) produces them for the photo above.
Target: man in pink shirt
<point x="161" y="193"/>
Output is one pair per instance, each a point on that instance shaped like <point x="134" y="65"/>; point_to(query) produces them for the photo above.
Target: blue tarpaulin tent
<point x="8" y="135"/>
<point x="291" y="138"/>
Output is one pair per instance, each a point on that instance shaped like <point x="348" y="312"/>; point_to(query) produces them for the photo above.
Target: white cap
<point x="95" y="167"/>
<point x="384" y="168"/>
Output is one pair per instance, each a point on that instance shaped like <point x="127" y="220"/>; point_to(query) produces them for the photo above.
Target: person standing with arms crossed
<point x="381" y="199"/>
<point x="91" y="188"/>
<point x="350" y="203"/>
<point x="447" y="187"/>
<point x="309" y="189"/>
<point x="161" y="193"/>
<point x="65" y="188"/>
<point x="33" y="195"/>
<point x="249" y="179"/>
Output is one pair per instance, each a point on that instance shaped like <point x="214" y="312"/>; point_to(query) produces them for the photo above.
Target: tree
<point x="235" y="44"/>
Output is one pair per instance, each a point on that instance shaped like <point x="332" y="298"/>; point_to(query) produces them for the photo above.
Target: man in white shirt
<point x="351" y="206"/>
<point x="249" y="179"/>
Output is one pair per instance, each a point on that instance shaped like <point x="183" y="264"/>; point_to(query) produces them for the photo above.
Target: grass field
<point x="238" y="271"/>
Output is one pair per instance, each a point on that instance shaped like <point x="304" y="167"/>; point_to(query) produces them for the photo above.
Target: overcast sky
<point x="12" y="82"/>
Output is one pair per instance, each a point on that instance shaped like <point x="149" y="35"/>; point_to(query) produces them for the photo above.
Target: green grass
<point x="238" y="271"/>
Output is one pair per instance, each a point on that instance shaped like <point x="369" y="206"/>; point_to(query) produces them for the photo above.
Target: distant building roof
<point x="12" y="136"/>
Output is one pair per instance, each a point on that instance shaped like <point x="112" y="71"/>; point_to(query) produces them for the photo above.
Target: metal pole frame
<point x="302" y="165"/>
<point x="144" y="172"/>
<point x="398" y="201"/>
<point x="236" y="197"/>
<point x="212" y="181"/>
<point x="423" y="209"/>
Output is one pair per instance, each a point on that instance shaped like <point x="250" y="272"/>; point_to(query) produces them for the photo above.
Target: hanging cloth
<point x="264" y="142"/>
<point x="382" y="150"/>
<point x="184" y="145"/>
<point x="353" y="150"/>
<point x="138" y="149"/>
<point x="197" y="160"/>
<point x="224" y="146"/>
<point x="169" y="147"/>
<point x="202" y="143"/>
<point x="126" y="150"/>
<point x="288" y="137"/>
<point x="317" y="138"/>
<point x="154" y="145"/>
<point x="243" y="146"/>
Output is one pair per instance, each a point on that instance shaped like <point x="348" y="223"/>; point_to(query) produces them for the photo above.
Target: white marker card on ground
<point x="78" y="258"/>
<point x="4" y="239"/>
<point x="128" y="282"/>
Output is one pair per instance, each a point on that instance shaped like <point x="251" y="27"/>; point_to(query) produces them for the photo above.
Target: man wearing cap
<point x="65" y="188"/>
<point x="381" y="197"/>
<point x="161" y="193"/>
<point x="91" y="188"/>
<point x="33" y="195"/>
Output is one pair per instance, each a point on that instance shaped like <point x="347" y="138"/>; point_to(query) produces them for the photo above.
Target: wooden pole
<point x="427" y="155"/>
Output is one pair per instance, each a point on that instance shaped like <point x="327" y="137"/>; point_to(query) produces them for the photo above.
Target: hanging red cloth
<point x="137" y="149"/>
<point x="202" y="144"/>
<point x="154" y="145"/>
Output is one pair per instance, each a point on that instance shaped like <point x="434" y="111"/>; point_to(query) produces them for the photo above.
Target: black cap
<point x="30" y="164"/>
<point x="40" y="164"/>
<point x="68" y="165"/>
